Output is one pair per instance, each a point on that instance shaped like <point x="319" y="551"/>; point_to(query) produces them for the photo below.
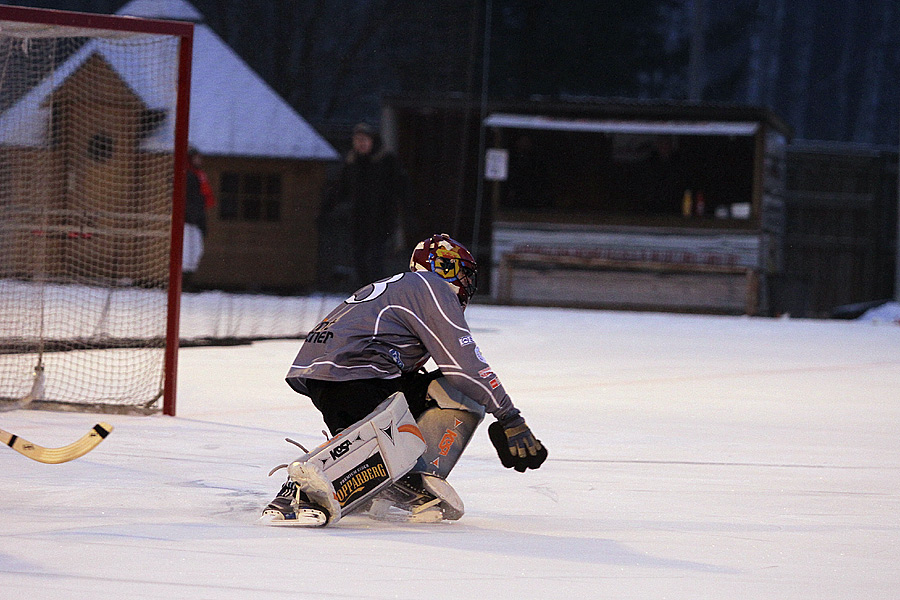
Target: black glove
<point x="516" y="445"/>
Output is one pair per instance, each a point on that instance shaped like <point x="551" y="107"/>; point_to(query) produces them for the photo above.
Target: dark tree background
<point x="830" y="68"/>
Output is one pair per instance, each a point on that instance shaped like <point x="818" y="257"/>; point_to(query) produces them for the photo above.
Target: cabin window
<point x="250" y="196"/>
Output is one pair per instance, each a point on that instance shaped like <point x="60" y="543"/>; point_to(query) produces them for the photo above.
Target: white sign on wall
<point x="496" y="164"/>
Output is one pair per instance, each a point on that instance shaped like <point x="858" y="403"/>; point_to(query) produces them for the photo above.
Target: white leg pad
<point x="363" y="459"/>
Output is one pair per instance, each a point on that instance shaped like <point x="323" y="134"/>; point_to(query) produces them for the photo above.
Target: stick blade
<point x="54" y="456"/>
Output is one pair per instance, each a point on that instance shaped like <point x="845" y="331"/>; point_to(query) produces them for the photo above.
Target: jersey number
<point x="378" y="288"/>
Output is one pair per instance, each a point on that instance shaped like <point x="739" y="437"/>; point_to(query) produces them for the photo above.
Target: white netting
<point x="86" y="166"/>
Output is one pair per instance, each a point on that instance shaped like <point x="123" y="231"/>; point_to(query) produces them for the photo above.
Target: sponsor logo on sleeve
<point x="479" y="356"/>
<point x="485" y="373"/>
<point x="494" y="383"/>
<point x="396" y="356"/>
<point x="466" y="340"/>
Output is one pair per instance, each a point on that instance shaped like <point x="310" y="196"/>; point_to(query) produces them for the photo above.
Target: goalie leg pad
<point x="447" y="426"/>
<point x="363" y="459"/>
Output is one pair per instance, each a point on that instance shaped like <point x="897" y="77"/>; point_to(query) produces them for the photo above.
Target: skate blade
<point x="302" y="518"/>
<point x="384" y="510"/>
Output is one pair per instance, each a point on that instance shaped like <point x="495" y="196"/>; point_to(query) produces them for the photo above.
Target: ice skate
<point x="315" y="486"/>
<point x="417" y="498"/>
<point x="291" y="507"/>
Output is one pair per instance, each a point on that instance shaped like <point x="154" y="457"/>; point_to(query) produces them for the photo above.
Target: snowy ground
<point x="690" y="457"/>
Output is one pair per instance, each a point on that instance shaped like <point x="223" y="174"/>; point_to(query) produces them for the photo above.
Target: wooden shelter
<point x="620" y="204"/>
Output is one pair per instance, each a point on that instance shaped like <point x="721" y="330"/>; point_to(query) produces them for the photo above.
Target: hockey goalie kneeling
<point x="387" y="464"/>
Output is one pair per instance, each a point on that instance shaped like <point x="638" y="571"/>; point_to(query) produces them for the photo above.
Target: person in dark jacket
<point x="373" y="184"/>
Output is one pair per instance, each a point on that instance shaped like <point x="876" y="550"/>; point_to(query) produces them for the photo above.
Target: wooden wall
<point x="840" y="241"/>
<point x="264" y="255"/>
<point x="89" y="206"/>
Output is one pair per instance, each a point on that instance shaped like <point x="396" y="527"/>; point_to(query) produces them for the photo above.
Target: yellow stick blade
<point x="53" y="456"/>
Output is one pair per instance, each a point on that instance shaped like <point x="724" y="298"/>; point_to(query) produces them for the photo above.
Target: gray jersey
<point x="392" y="327"/>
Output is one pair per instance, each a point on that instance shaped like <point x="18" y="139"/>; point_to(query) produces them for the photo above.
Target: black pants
<point x="343" y="403"/>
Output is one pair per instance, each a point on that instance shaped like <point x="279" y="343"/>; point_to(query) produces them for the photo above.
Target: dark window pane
<point x="228" y="206"/>
<point x="273" y="209"/>
<point x="229" y="201"/>
<point x="250" y="196"/>
<point x="252" y="208"/>
<point x="273" y="185"/>
<point x="100" y="147"/>
<point x="253" y="184"/>
<point x="229" y="183"/>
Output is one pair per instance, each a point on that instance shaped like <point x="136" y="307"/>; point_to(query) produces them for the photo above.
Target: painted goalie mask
<point x="448" y="258"/>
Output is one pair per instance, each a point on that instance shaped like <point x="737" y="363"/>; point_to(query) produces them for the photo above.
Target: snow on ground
<point x="690" y="457"/>
<point x="888" y="312"/>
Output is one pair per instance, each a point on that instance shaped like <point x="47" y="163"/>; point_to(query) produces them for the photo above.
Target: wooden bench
<point x="577" y="281"/>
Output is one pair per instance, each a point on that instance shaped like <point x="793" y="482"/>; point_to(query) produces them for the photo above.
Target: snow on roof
<point x="178" y="10"/>
<point x="233" y="111"/>
<point x="623" y="125"/>
<point x="24" y="123"/>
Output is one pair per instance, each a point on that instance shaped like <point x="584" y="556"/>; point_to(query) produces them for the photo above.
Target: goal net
<point x="92" y="111"/>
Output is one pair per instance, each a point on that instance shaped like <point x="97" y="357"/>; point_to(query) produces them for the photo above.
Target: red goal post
<point x="93" y="153"/>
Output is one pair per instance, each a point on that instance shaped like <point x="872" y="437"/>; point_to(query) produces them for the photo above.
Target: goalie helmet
<point x="448" y="258"/>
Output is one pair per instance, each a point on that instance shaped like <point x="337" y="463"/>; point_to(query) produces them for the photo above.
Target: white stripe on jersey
<point x="421" y="322"/>
<point x="337" y="366"/>
<point x="438" y="305"/>
<point x="455" y="365"/>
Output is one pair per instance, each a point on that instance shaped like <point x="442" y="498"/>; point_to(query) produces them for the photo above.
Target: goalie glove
<point x="516" y="446"/>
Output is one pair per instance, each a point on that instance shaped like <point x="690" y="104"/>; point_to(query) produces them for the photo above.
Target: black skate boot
<point x="291" y="507"/>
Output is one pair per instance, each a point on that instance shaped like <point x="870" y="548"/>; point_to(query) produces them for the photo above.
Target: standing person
<point x="374" y="186"/>
<point x="198" y="199"/>
<point x="352" y="366"/>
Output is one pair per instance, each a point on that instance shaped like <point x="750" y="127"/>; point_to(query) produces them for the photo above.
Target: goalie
<point x="398" y="430"/>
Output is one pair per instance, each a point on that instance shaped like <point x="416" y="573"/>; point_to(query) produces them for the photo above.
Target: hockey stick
<point x="54" y="456"/>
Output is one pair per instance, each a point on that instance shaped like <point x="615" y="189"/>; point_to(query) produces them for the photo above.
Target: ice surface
<point x="690" y="457"/>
